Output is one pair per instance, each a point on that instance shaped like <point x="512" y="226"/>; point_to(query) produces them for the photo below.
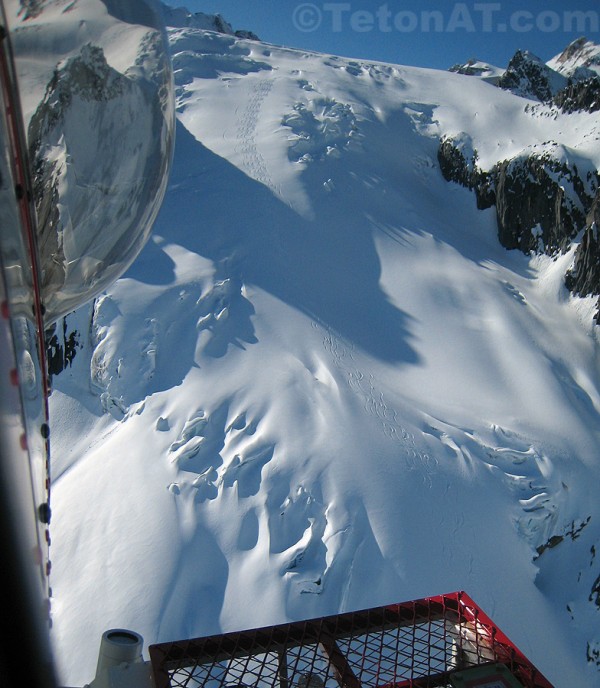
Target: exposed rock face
<point x="529" y="77"/>
<point x="249" y="35"/>
<point x="61" y="347"/>
<point x="572" y="51"/>
<point x="87" y="77"/>
<point x="570" y="81"/>
<point x="95" y="201"/>
<point x="470" y="68"/>
<point x="458" y="162"/>
<point x="580" y="95"/>
<point x="584" y="277"/>
<point x="541" y="199"/>
<point x="540" y="204"/>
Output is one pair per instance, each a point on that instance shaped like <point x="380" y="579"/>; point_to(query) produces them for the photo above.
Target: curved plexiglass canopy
<point x="86" y="137"/>
<point x="95" y="87"/>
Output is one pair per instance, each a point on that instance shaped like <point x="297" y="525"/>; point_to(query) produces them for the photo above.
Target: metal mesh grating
<point x="420" y="643"/>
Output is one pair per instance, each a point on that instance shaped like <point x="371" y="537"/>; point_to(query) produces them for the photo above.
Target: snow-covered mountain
<point x="580" y="59"/>
<point x="484" y="70"/>
<point x="325" y="384"/>
<point x="180" y="17"/>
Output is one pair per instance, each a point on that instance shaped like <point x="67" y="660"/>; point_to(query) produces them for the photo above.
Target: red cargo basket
<point x="430" y="642"/>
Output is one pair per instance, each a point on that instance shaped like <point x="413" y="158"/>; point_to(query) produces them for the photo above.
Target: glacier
<point x="324" y="385"/>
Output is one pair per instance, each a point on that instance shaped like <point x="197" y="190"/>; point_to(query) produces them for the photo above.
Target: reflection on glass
<point x="86" y="135"/>
<point x="94" y="79"/>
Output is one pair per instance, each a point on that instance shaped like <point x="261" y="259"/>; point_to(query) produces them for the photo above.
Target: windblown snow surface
<point x="324" y="385"/>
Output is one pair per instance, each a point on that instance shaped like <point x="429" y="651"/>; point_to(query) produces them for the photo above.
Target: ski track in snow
<point x="525" y="473"/>
<point x="374" y="403"/>
<point x="253" y="163"/>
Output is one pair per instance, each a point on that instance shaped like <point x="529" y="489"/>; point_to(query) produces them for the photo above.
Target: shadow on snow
<point x="327" y="268"/>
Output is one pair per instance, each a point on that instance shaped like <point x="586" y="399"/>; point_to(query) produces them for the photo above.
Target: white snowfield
<point x="324" y="385"/>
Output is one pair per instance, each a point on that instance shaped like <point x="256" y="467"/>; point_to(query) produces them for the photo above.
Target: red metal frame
<point x="35" y="437"/>
<point x="417" y="644"/>
<point x="14" y="119"/>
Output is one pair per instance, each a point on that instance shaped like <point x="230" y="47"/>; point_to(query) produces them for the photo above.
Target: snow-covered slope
<point x="324" y="385"/>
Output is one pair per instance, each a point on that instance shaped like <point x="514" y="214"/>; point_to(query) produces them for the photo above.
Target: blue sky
<point x="431" y="33"/>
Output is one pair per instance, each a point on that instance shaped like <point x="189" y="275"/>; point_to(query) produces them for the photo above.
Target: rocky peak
<point x="545" y="199"/>
<point x="571" y="80"/>
<point x="580" y="59"/>
<point x="529" y="77"/>
<point x="475" y="67"/>
<point x="574" y="51"/>
<point x="182" y="18"/>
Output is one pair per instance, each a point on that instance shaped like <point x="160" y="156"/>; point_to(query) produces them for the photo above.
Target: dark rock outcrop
<point x="569" y="81"/>
<point x="579" y="95"/>
<point x="529" y="77"/>
<point x="584" y="277"/>
<point x="469" y="68"/>
<point x="540" y="203"/>
<point x="248" y="35"/>
<point x="543" y="201"/>
<point x="458" y="163"/>
<point x="61" y="347"/>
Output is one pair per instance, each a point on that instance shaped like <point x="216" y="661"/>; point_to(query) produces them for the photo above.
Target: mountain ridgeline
<point x="546" y="198"/>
